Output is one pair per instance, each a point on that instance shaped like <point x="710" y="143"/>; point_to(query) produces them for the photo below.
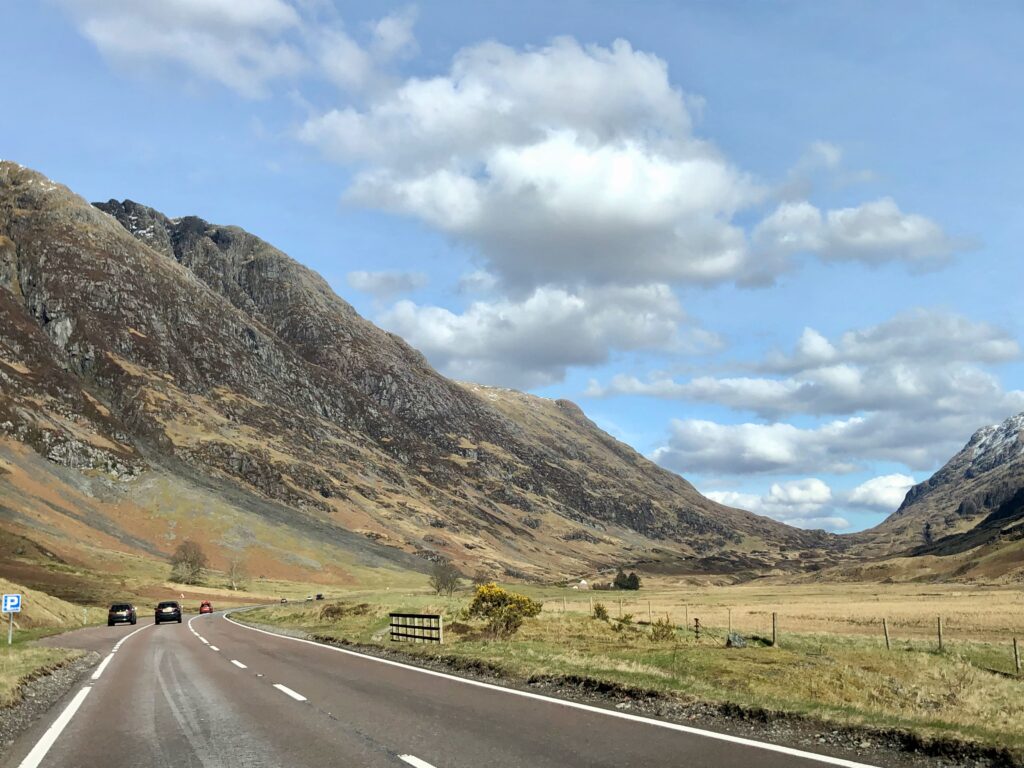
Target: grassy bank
<point x="21" y="662"/>
<point x="846" y="679"/>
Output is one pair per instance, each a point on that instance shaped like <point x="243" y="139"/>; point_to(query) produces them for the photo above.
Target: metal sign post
<point x="11" y="605"/>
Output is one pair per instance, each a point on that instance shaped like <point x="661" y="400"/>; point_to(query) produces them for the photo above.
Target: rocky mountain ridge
<point x="132" y="344"/>
<point x="967" y="519"/>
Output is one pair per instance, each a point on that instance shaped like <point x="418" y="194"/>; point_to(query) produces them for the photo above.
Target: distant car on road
<point x="319" y="595"/>
<point x="121" y="612"/>
<point x="205" y="607"/>
<point x="284" y="601"/>
<point x="168" y="610"/>
<point x="309" y="598"/>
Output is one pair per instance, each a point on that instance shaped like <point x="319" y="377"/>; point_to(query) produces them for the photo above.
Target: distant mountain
<point x="966" y="520"/>
<point x="151" y="360"/>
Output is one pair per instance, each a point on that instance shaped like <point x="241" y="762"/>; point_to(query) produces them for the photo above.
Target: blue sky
<point x="772" y="246"/>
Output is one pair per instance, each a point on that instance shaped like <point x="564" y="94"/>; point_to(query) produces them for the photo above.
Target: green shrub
<point x="503" y="611"/>
<point x="662" y="631"/>
<point x="600" y="612"/>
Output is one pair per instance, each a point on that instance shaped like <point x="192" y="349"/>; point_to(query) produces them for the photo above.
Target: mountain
<point x="966" y="520"/>
<point x="178" y="378"/>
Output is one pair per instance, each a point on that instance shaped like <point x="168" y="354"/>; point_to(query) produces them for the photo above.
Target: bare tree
<point x="188" y="563"/>
<point x="238" y="575"/>
<point x="444" y="577"/>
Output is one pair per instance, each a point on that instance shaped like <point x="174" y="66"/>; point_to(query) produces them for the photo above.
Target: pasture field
<point x="830" y="663"/>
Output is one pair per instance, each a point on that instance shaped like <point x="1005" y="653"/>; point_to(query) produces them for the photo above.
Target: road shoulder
<point x="40" y="695"/>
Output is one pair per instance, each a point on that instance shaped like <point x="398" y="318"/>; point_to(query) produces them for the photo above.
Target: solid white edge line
<point x="238" y="664"/>
<point x="102" y="666"/>
<point x="35" y="757"/>
<point x="828" y="760"/>
<point x="414" y="761"/>
<point x="288" y="691"/>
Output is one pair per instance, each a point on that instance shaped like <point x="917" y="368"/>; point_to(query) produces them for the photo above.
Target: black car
<point x="121" y="612"/>
<point x="168" y="610"/>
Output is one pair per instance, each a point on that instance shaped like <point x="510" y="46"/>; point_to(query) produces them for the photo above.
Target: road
<point x="211" y="693"/>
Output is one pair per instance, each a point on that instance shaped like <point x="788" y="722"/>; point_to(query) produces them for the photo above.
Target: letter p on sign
<point x="11" y="604"/>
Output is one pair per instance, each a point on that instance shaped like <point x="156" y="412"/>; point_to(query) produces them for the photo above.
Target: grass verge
<point x="21" y="663"/>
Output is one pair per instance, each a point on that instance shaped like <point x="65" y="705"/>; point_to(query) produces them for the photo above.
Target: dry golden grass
<point x="20" y="663"/>
<point x="844" y="676"/>
<point x="968" y="612"/>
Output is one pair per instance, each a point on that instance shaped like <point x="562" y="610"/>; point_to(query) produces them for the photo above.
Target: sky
<point x="772" y="246"/>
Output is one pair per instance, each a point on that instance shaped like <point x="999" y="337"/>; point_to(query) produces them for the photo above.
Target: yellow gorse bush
<point x="503" y="611"/>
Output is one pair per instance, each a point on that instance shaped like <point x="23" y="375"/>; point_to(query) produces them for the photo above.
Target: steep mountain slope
<point x="135" y="346"/>
<point x="977" y="481"/>
<point x="966" y="520"/>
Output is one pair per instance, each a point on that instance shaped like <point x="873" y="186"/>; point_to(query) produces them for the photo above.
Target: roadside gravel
<point x="41" y="693"/>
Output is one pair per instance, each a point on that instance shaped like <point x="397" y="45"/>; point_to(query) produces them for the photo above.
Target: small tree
<point x="621" y="580"/>
<point x="480" y="577"/>
<point x="504" y="611"/>
<point x="632" y="581"/>
<point x="237" y="573"/>
<point x="188" y="563"/>
<point x="600" y="612"/>
<point x="662" y="631"/>
<point x="444" y="577"/>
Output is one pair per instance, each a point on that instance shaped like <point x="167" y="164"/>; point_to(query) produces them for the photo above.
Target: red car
<point x="205" y="607"/>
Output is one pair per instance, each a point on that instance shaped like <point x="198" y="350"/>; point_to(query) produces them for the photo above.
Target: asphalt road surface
<point x="211" y="693"/>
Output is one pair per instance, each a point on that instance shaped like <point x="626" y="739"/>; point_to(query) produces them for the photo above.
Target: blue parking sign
<point x="11" y="604"/>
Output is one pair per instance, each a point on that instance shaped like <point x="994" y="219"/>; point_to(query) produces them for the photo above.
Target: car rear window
<point x="168" y="605"/>
<point x="120" y="607"/>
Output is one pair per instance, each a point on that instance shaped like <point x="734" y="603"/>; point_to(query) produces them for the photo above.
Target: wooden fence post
<point x="1016" y="655"/>
<point x="775" y="628"/>
<point x="563" y="603"/>
<point x="686" y="615"/>
<point x="885" y="629"/>
<point x="940" y="633"/>
<point x="730" y="621"/>
<point x="620" y="607"/>
<point x="591" y="605"/>
<point x="696" y="628"/>
<point x="650" y="615"/>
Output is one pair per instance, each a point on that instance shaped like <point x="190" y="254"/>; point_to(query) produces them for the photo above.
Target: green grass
<point x="838" y="678"/>
<point x="22" y="662"/>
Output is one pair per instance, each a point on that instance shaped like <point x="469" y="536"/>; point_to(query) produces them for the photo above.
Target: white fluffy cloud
<point x="561" y="164"/>
<point x="530" y="342"/>
<point x="919" y="362"/>
<point x="798" y="502"/>
<point x="872" y="233"/>
<point x="570" y="164"/>
<point x="910" y="390"/>
<point x="241" y="45"/>
<point x="386" y="284"/>
<point x="246" y="46"/>
<point x="881" y="494"/>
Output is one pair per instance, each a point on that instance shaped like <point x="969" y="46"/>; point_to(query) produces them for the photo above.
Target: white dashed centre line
<point x="238" y="664"/>
<point x="289" y="692"/>
<point x="414" y="761"/>
<point x="214" y="648"/>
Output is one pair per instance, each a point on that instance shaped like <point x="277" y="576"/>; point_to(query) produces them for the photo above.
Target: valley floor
<point x="830" y="664"/>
